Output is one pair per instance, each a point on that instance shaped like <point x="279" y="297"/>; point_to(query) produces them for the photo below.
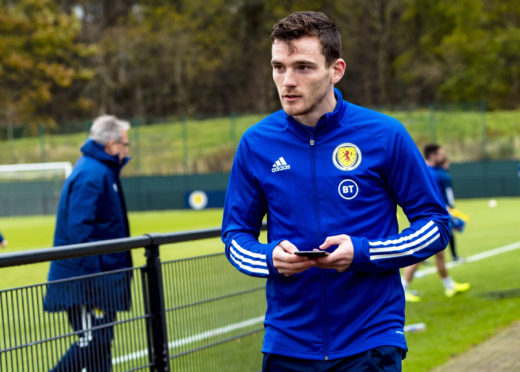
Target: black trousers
<point x="92" y="351"/>
<point x="379" y="359"/>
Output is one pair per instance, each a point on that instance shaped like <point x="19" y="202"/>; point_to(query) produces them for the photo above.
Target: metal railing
<point x="189" y="314"/>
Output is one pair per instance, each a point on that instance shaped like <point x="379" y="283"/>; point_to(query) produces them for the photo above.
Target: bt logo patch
<point x="348" y="189"/>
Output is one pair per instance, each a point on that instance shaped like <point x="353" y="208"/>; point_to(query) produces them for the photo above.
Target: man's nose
<point x="289" y="79"/>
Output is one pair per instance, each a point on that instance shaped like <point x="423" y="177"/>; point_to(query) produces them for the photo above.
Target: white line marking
<point x="192" y="339"/>
<point x="476" y="257"/>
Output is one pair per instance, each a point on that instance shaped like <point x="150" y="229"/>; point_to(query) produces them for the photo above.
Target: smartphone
<point x="312" y="254"/>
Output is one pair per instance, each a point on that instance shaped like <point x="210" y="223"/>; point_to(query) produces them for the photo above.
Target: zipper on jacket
<point x="314" y="187"/>
<point x="312" y="142"/>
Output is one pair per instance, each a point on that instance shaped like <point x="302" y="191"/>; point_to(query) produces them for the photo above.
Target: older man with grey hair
<point x="91" y="208"/>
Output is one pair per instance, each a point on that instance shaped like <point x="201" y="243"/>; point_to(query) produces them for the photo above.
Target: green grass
<point x="34" y="232"/>
<point x="196" y="146"/>
<point x="453" y="325"/>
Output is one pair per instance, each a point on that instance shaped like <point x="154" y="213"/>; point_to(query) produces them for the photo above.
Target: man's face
<point x="304" y="82"/>
<point x="119" y="148"/>
<point x="439" y="157"/>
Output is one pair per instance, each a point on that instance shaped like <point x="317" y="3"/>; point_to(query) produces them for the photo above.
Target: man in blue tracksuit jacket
<point x="329" y="176"/>
<point x="92" y="208"/>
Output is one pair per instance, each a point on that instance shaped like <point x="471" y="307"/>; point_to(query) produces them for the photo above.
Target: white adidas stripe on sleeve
<point x="246" y="260"/>
<point x="405" y="253"/>
<point x="403" y="238"/>
<point x="405" y="245"/>
<point x="249" y="268"/>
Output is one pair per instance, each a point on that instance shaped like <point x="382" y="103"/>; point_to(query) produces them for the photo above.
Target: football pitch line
<point x="260" y="319"/>
<point x="192" y="339"/>
<point x="474" y="258"/>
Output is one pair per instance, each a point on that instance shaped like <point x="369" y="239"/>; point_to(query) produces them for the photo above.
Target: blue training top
<point x="345" y="176"/>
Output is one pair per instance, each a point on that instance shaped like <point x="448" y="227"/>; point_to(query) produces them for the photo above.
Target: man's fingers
<point x="287" y="246"/>
<point x="286" y="262"/>
<point x="333" y="240"/>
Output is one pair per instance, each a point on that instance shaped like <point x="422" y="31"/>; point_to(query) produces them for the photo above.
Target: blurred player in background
<point x="434" y="156"/>
<point x="458" y="219"/>
<point x="91" y="208"/>
<point x="3" y="241"/>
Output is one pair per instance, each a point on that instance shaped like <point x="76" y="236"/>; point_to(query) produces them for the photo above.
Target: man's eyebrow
<point x="305" y="62"/>
<point x="299" y="62"/>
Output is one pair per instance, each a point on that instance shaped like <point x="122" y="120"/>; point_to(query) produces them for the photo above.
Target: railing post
<point x="154" y="303"/>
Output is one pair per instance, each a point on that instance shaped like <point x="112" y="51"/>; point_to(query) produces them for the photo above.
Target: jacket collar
<point x="97" y="151"/>
<point x="327" y="122"/>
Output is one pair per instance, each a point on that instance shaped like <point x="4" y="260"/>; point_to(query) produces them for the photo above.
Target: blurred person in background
<point x="92" y="208"/>
<point x="458" y="219"/>
<point x="434" y="156"/>
<point x="3" y="241"/>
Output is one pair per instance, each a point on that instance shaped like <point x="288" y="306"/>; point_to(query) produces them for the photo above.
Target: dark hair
<point x="430" y="149"/>
<point x="299" y="24"/>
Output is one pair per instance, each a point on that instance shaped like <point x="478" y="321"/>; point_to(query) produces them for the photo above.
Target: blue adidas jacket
<point x="345" y="176"/>
<point x="91" y="208"/>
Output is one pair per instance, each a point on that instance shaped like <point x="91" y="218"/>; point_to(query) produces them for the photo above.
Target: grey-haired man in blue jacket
<point x="91" y="208"/>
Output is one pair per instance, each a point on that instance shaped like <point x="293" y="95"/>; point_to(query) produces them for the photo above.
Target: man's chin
<point x="292" y="110"/>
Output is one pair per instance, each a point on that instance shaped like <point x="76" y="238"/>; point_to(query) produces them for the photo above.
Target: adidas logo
<point x="280" y="165"/>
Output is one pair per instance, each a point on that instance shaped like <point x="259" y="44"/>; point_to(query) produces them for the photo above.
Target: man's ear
<point x="338" y="70"/>
<point x="109" y="146"/>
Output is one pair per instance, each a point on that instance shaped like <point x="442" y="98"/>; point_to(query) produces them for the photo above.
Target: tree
<point x="39" y="59"/>
<point x="466" y="50"/>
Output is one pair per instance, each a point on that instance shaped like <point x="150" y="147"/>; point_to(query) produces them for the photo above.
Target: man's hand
<point x="286" y="262"/>
<point x="341" y="258"/>
<point x="3" y="243"/>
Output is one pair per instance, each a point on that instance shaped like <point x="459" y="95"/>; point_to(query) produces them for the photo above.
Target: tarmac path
<point x="501" y="353"/>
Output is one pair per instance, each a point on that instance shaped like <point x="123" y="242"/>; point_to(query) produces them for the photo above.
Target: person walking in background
<point x="457" y="223"/>
<point x="91" y="208"/>
<point x="329" y="175"/>
<point x="434" y="157"/>
<point x="3" y="241"/>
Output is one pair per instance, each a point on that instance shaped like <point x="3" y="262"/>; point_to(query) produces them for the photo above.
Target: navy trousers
<point x="379" y="359"/>
<point x="92" y="351"/>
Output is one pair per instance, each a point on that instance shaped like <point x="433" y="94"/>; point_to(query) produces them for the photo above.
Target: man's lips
<point x="291" y="97"/>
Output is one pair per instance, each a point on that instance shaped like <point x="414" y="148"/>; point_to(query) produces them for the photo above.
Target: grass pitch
<point x="452" y="325"/>
<point x="35" y="232"/>
<point x="455" y="325"/>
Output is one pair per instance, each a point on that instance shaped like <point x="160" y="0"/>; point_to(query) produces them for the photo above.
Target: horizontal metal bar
<point x="185" y="236"/>
<point x="213" y="299"/>
<point x="73" y="250"/>
<point x="104" y="246"/>
<point x="74" y="333"/>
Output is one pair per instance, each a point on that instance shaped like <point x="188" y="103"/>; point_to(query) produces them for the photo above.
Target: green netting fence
<point x="207" y="145"/>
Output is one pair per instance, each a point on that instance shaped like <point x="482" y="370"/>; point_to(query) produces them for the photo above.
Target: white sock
<point x="448" y="282"/>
